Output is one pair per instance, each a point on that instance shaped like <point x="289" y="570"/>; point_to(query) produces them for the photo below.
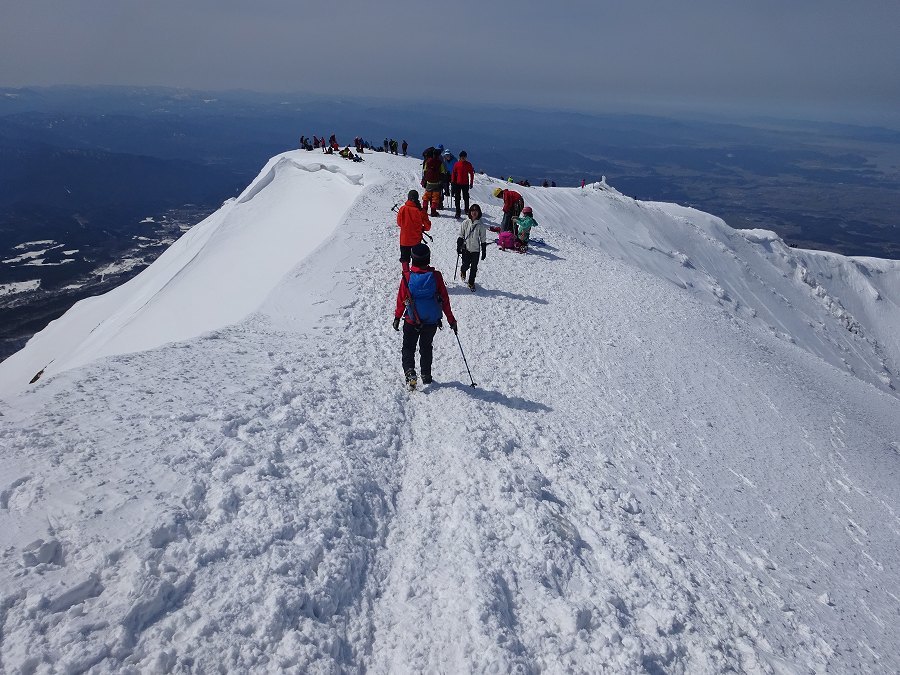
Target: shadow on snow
<point x="489" y="396"/>
<point x="494" y="292"/>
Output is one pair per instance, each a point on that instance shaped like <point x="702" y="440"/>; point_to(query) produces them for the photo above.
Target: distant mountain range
<point x="86" y="168"/>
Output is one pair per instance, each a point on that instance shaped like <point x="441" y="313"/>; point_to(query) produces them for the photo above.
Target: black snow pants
<point x="470" y="264"/>
<point x="457" y="191"/>
<point x="424" y="336"/>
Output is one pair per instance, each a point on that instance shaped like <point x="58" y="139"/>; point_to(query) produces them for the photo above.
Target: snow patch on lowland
<point x="19" y="287"/>
<point x="31" y="255"/>
<point x="680" y="456"/>
<point x="35" y="258"/>
<point x="32" y="244"/>
<point x="119" y="266"/>
<point x="40" y="262"/>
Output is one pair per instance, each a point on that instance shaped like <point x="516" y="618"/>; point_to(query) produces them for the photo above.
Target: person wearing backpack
<point x="472" y="241"/>
<point x="421" y="301"/>
<point x="432" y="179"/>
<point x="412" y="221"/>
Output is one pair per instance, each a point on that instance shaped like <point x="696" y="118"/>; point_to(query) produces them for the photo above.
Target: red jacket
<point x="444" y="297"/>
<point x="412" y="222"/>
<point x="510" y="199"/>
<point x="463" y="173"/>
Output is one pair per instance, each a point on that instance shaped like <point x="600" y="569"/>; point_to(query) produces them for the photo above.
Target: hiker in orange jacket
<point x="412" y="221"/>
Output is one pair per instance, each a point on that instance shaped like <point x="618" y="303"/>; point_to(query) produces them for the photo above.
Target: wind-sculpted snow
<point x="844" y="310"/>
<point x="215" y="275"/>
<point x="647" y="478"/>
<point x="281" y="164"/>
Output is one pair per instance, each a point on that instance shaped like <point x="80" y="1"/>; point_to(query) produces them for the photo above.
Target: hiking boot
<point x="410" y="379"/>
<point x="426" y="379"/>
<point x="458" y="213"/>
<point x="472" y="286"/>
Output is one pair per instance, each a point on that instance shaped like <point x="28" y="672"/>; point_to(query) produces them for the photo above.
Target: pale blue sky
<point x="823" y="58"/>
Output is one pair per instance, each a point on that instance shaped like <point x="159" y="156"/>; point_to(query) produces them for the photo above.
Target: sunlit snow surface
<point x="681" y="455"/>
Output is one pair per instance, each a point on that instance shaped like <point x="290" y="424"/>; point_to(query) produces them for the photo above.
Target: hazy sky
<point x="825" y="58"/>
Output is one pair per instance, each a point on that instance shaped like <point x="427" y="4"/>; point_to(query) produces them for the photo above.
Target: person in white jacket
<point x="472" y="241"/>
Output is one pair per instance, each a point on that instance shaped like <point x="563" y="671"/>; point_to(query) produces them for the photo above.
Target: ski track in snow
<point x="267" y="499"/>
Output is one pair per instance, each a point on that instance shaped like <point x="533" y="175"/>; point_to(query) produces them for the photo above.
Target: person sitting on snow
<point x="524" y="223"/>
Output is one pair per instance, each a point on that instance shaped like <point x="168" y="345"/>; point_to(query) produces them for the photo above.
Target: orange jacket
<point x="412" y="222"/>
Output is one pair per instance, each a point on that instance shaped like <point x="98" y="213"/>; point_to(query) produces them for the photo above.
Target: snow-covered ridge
<point x="662" y="468"/>
<point x="844" y="310"/>
<point x="215" y="275"/>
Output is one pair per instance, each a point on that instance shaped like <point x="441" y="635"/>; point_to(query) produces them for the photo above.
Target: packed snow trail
<point x="640" y="482"/>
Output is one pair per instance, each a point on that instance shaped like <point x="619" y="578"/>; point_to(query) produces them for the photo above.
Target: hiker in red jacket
<point x="512" y="207"/>
<point x="421" y="301"/>
<point x="461" y="180"/>
<point x="412" y="221"/>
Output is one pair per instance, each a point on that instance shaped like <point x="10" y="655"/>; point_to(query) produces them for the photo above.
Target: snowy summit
<point x="681" y="455"/>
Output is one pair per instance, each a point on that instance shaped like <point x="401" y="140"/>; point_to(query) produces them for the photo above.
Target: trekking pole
<point x="458" y="254"/>
<point x="464" y="357"/>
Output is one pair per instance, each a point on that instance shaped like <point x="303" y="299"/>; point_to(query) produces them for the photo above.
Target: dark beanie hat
<point x="421" y="254"/>
<point x="413" y="195"/>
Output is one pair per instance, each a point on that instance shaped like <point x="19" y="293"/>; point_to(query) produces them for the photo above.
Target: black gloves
<point x="453" y="327"/>
<point x="460" y="245"/>
<point x="423" y="183"/>
<point x="483" y="251"/>
<point x="397" y="323"/>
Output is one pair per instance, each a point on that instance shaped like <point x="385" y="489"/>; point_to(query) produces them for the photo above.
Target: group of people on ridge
<point x="443" y="175"/>
<point x="422" y="298"/>
<point x="391" y="146"/>
<point x="331" y="146"/>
